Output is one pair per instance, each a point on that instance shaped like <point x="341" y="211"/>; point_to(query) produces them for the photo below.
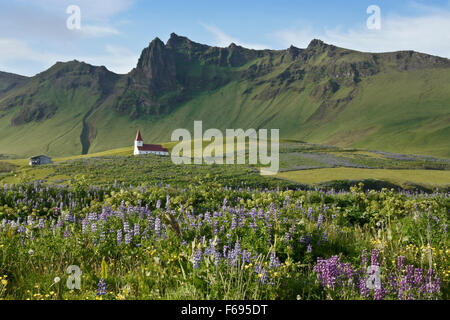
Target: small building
<point x="141" y="148"/>
<point x="38" y="160"/>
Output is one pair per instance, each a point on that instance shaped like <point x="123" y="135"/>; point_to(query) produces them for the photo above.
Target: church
<point x="141" y="148"/>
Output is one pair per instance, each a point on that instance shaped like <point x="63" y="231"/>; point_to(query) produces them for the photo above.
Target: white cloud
<point x="47" y="19"/>
<point x="117" y="59"/>
<point x="224" y="40"/>
<point x="36" y="35"/>
<point x="97" y="31"/>
<point x="427" y="33"/>
<point x="17" y="56"/>
<point x="90" y="9"/>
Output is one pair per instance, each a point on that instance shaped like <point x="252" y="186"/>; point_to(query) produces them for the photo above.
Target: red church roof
<point x="153" y="147"/>
<point x="138" y="136"/>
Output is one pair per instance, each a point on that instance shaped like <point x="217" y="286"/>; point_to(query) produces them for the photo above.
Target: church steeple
<point x="138" y="143"/>
<point x="138" y="136"/>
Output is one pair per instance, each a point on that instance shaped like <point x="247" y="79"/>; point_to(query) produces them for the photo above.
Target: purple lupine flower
<point x="286" y="202"/>
<point x="101" y="287"/>
<point x="287" y="236"/>
<point x="233" y="222"/>
<point x="378" y="294"/>
<point x="310" y="211"/>
<point x="66" y="233"/>
<point x="41" y="224"/>
<point x="60" y="222"/>
<point x="364" y="258"/>
<point x="225" y="249"/>
<point x="168" y="202"/>
<point x="136" y="230"/>
<point x="92" y="217"/>
<point x="261" y="272"/>
<point x="400" y="263"/>
<point x="418" y="277"/>
<point x="246" y="256"/>
<point x="274" y="261"/>
<point x="363" y="289"/>
<point x="217" y="258"/>
<point x="410" y="275"/>
<point x="234" y="254"/>
<point x="436" y="219"/>
<point x="157" y="227"/>
<point x="119" y="236"/>
<point x="208" y="218"/>
<point x="128" y="237"/>
<point x="215" y="231"/>
<point x="320" y="220"/>
<point x="325" y="236"/>
<point x="374" y="257"/>
<point x="305" y="240"/>
<point x="126" y="227"/>
<point x="197" y="259"/>
<point x="327" y="271"/>
<point x="84" y="224"/>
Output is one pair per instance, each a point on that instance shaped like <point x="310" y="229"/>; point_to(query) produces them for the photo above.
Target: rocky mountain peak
<point x="317" y="45"/>
<point x="156" y="67"/>
<point x="294" y="51"/>
<point x="176" y="41"/>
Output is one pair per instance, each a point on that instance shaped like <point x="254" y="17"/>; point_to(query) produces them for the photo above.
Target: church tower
<point x="138" y="142"/>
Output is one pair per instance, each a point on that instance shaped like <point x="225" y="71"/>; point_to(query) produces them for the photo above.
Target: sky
<point x="35" y="34"/>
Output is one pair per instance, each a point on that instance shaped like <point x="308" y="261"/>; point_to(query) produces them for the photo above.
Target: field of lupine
<point x="208" y="241"/>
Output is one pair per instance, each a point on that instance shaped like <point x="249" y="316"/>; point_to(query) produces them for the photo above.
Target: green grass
<point x="428" y="178"/>
<point x="119" y="165"/>
<point x="142" y="170"/>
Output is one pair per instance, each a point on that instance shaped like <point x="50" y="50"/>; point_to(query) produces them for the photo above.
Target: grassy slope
<point x="400" y="111"/>
<point x="389" y="114"/>
<point x="57" y="136"/>
<point x="397" y="111"/>
<point x="55" y="173"/>
<point x="429" y="178"/>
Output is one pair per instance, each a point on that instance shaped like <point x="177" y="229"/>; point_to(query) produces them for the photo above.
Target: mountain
<point x="9" y="81"/>
<point x="396" y="102"/>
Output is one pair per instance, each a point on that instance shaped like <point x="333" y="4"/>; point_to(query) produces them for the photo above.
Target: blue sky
<point x="34" y="35"/>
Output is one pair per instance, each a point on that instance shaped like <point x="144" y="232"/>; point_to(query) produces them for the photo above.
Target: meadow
<point x="208" y="241"/>
<point x="144" y="228"/>
<point x="402" y="177"/>
<point x="301" y="165"/>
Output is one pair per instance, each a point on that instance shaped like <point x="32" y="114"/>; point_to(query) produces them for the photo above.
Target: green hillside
<point x="395" y="102"/>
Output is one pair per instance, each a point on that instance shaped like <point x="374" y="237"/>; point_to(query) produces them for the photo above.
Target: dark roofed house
<point x="38" y="160"/>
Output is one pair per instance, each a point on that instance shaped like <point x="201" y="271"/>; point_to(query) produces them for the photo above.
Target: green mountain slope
<point x="397" y="102"/>
<point x="10" y="81"/>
